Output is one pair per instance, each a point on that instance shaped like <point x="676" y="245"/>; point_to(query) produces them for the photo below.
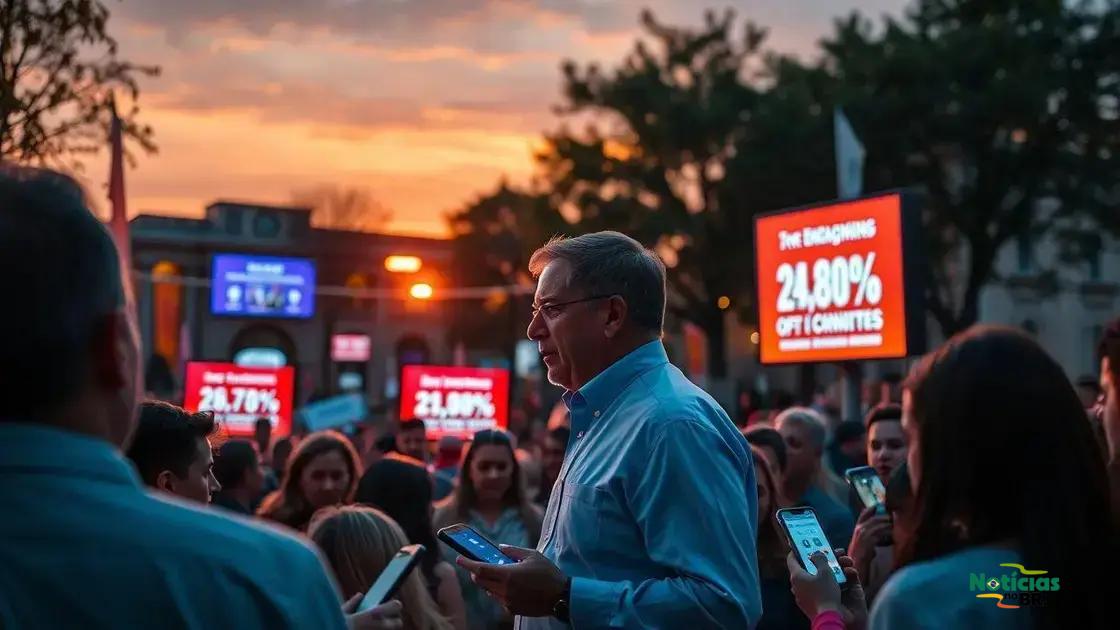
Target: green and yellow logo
<point x="1021" y="587"/>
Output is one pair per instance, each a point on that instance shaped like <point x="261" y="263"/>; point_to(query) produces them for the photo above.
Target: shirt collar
<point x="601" y="391"/>
<point x="38" y="448"/>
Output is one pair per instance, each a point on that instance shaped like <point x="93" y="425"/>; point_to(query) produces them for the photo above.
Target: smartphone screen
<point x="806" y="536"/>
<point x="473" y="544"/>
<point x="868" y="486"/>
<point x="391" y="577"/>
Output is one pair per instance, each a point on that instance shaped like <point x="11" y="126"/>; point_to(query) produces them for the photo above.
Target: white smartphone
<point x="805" y="536"/>
<point x="386" y="584"/>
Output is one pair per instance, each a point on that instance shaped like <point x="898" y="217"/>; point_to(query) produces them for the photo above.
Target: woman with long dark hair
<point x="403" y="491"/>
<point x="323" y="471"/>
<point x="1009" y="524"/>
<point x="491" y="498"/>
<point x="779" y="611"/>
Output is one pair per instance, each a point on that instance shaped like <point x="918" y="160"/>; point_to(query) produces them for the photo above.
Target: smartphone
<point x="870" y="489"/>
<point x="473" y="545"/>
<point x="805" y="536"/>
<point x="395" y="573"/>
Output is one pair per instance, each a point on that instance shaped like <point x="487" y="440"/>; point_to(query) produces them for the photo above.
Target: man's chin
<point x="556" y="377"/>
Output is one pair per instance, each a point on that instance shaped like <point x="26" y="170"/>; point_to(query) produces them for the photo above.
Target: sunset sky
<point x="425" y="103"/>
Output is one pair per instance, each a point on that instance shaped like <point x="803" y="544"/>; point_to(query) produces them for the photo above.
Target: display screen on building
<point x="262" y="286"/>
<point x="840" y="282"/>
<point x="350" y="348"/>
<point x="455" y="400"/>
<point x="239" y="395"/>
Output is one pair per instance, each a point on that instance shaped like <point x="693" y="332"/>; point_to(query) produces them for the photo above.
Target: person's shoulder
<point x="222" y="538"/>
<point x="444" y="571"/>
<point x="932" y="575"/>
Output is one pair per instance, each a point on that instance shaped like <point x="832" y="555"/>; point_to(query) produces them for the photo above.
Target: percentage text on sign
<point x="831" y="284"/>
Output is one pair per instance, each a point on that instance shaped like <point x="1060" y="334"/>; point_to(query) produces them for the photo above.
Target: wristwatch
<point x="560" y="608"/>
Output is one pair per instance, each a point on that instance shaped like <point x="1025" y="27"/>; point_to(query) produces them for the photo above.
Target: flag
<point x="118" y="223"/>
<point x="849" y="157"/>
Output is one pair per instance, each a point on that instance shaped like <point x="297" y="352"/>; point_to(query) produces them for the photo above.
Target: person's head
<point x="171" y="451"/>
<point x="1108" y="353"/>
<point x="803" y="431"/>
<point x="262" y="434"/>
<point x="488" y="472"/>
<point x="772" y="447"/>
<point x="1000" y="450"/>
<point x="771" y="548"/>
<point x="851" y="440"/>
<point x="402" y="490"/>
<point x="323" y="471"/>
<point x="358" y="543"/>
<point x="237" y="467"/>
<point x="412" y="439"/>
<point x="886" y="441"/>
<point x="449" y="450"/>
<point x="69" y="344"/>
<point x="552" y="452"/>
<point x="281" y="451"/>
<point x="598" y="297"/>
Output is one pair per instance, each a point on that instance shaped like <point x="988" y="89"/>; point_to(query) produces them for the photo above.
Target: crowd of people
<point x="646" y="507"/>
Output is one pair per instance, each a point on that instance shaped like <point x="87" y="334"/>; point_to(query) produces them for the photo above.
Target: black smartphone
<point x="805" y="536"/>
<point x="869" y="488"/>
<point x="391" y="578"/>
<point x="473" y="545"/>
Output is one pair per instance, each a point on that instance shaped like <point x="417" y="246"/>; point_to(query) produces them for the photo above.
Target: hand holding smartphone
<point x="870" y="489"/>
<point x="471" y="544"/>
<point x="390" y="580"/>
<point x="805" y="536"/>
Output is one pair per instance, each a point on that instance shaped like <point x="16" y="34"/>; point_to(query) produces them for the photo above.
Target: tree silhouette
<point x="59" y="73"/>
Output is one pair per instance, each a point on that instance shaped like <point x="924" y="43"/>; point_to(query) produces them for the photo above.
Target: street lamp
<point x="403" y="264"/>
<point x="421" y="291"/>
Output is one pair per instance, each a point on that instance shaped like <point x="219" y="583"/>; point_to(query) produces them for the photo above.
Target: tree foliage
<point x="59" y="73"/>
<point x="1004" y="114"/>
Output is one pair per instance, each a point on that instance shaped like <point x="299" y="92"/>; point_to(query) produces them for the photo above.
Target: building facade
<point x="356" y="295"/>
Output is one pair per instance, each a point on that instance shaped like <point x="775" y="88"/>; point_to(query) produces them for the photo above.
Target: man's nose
<point x="537" y="330"/>
<point x="214" y="485"/>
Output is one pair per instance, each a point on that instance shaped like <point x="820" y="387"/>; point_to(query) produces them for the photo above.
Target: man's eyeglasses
<point x="552" y="311"/>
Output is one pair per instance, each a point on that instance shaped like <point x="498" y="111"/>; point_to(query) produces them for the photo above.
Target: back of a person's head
<point x="358" y="542"/>
<point x="167" y="437"/>
<point x="848" y="431"/>
<point x="769" y="438"/>
<point x="233" y="461"/>
<point x="403" y="490"/>
<point x="815" y="426"/>
<point x="412" y="424"/>
<point x="1006" y="453"/>
<point x="61" y="282"/>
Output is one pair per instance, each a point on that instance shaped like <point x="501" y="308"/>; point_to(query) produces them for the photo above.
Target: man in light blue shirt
<point x="652" y="522"/>
<point x="82" y="545"/>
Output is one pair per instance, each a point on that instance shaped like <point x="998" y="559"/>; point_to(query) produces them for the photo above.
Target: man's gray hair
<point x="611" y="263"/>
<point x="810" y="420"/>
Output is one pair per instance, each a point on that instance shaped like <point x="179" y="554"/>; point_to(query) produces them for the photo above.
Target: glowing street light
<point x="421" y="291"/>
<point x="403" y="264"/>
<point x="723" y="302"/>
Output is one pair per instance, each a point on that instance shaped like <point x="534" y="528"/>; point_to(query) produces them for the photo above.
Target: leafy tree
<point x="654" y="163"/>
<point x="1004" y="113"/>
<point x="59" y="72"/>
<point x="493" y="239"/>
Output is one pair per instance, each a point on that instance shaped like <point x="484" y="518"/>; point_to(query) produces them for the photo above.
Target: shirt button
<point x="596" y="414"/>
<point x="579" y="435"/>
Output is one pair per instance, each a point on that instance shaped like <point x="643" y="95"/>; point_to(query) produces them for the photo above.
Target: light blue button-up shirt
<point x="654" y="513"/>
<point x="82" y="545"/>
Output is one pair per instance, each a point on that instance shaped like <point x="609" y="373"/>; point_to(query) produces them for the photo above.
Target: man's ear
<point x="166" y="481"/>
<point x="617" y="310"/>
<point x="108" y="346"/>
